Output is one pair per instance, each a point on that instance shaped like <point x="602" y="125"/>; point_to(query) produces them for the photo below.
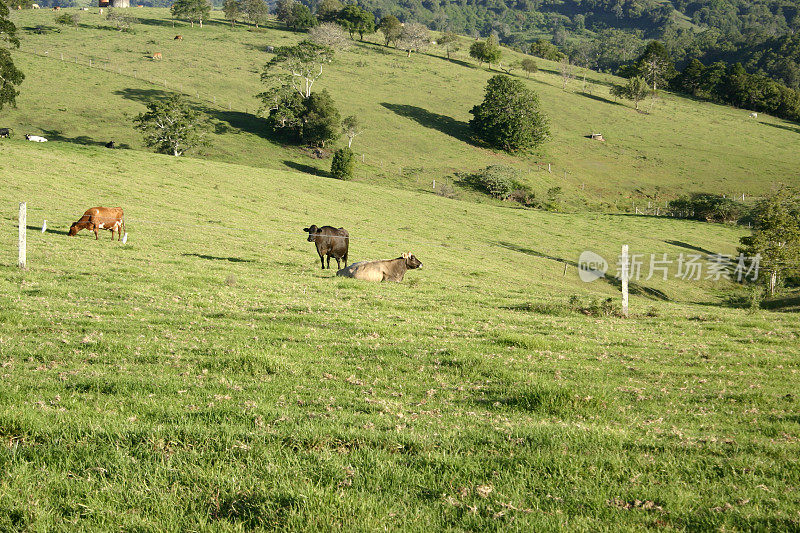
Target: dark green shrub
<point x="343" y="164"/>
<point x="497" y="180"/>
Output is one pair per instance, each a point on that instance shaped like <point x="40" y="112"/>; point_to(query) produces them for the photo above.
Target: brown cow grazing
<point x="96" y="218"/>
<point x="157" y="56"/>
<point x="382" y="270"/>
<point x="331" y="242"/>
<point x="178" y="38"/>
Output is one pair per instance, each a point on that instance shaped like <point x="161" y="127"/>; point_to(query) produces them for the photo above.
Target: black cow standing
<point x="331" y="242"/>
<point x="5" y="132"/>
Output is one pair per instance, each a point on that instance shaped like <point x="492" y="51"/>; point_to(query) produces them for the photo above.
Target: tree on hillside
<point x="10" y="77"/>
<point x="509" y="117"/>
<point x="192" y="10"/>
<point x="121" y="19"/>
<point x="413" y="38"/>
<point x="357" y="20"/>
<point x="567" y="71"/>
<point x="232" y="10"/>
<point x="391" y="29"/>
<point x="331" y="35"/>
<point x="328" y="10"/>
<point x="284" y="8"/>
<point x="655" y="65"/>
<point x="545" y="50"/>
<point x="776" y="236"/>
<point x="690" y="81"/>
<point x="298" y="66"/>
<point x="343" y="163"/>
<point x="321" y="121"/>
<point x="300" y="18"/>
<point x="172" y="126"/>
<point x="529" y="65"/>
<point x="68" y="19"/>
<point x="635" y="89"/>
<point x="255" y="11"/>
<point x="351" y="127"/>
<point x="487" y="51"/>
<point x="450" y="42"/>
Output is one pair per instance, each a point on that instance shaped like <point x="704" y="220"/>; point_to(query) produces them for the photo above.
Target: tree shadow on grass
<point x="235" y="120"/>
<point x="57" y="135"/>
<point x="633" y="287"/>
<point x="48" y="230"/>
<point x="447" y="125"/>
<point x="598" y="98"/>
<point x="216" y="258"/>
<point x="682" y="244"/>
<point x="788" y="127"/>
<point x="308" y="169"/>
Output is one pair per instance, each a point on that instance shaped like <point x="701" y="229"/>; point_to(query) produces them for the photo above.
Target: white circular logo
<point x="591" y="266"/>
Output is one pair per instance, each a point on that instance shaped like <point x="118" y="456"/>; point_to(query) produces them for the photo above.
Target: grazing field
<point x="208" y="376"/>
<point x="415" y="110"/>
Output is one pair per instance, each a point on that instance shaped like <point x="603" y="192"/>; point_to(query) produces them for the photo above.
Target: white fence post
<point x="23" y="221"/>
<point x="624" y="275"/>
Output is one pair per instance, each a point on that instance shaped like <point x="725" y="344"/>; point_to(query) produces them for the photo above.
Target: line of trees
<point x="10" y="76"/>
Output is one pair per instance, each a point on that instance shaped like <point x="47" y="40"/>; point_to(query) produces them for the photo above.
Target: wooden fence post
<point x="23" y="221"/>
<point x="624" y="275"/>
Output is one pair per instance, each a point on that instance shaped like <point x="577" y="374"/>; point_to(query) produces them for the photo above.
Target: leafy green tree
<point x="171" y="126"/>
<point x="413" y="38"/>
<point x="331" y="35"/>
<point x="635" y="89"/>
<point x="450" y="42"/>
<point x="10" y="77"/>
<point x="321" y="120"/>
<point x="776" y="236"/>
<point x="232" y="10"/>
<point x="297" y="66"/>
<point x="655" y="65"/>
<point x="284" y="9"/>
<point x="487" y="51"/>
<point x="545" y="50"/>
<point x="691" y="79"/>
<point x="122" y="19"/>
<point x="351" y="127"/>
<point x="192" y="10"/>
<point x="68" y="19"/>
<point x="509" y="117"/>
<point x="301" y="18"/>
<point x="529" y="65"/>
<point x="357" y="20"/>
<point x="391" y="29"/>
<point x="328" y="10"/>
<point x="343" y="164"/>
<point x="255" y="11"/>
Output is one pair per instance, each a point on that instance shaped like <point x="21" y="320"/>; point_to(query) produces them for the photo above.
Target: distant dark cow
<point x="178" y="38"/>
<point x="382" y="270"/>
<point x="331" y="242"/>
<point x="110" y="144"/>
<point x="97" y="218"/>
<point x="5" y="132"/>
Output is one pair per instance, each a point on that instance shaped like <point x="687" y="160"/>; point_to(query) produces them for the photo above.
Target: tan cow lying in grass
<point x="97" y="218"/>
<point x="382" y="270"/>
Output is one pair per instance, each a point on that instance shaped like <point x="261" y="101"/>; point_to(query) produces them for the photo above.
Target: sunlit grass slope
<point x="208" y="376"/>
<point x="415" y="109"/>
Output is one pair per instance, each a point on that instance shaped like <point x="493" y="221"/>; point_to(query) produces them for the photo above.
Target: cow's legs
<point x="329" y="262"/>
<point x="322" y="260"/>
<point x="345" y="260"/>
<point x="96" y="234"/>
<point x="338" y="265"/>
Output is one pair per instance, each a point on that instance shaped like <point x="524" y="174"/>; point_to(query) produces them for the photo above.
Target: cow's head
<point x="312" y="232"/>
<point x="74" y="229"/>
<point x="412" y="261"/>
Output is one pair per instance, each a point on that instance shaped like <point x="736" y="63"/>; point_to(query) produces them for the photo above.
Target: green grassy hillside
<point x="208" y="376"/>
<point x="416" y="110"/>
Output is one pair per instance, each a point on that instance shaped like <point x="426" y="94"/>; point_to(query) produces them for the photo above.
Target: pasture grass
<point x="208" y="376"/>
<point x="416" y="113"/>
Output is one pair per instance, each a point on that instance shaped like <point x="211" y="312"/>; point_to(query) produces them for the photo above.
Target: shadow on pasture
<point x="308" y="169"/>
<point x="58" y="136"/>
<point x="143" y="96"/>
<point x="598" y="98"/>
<point x="788" y="127"/>
<point x="633" y="287"/>
<point x="447" y="125"/>
<point x="216" y="258"/>
<point x="681" y="244"/>
<point x="48" y="230"/>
